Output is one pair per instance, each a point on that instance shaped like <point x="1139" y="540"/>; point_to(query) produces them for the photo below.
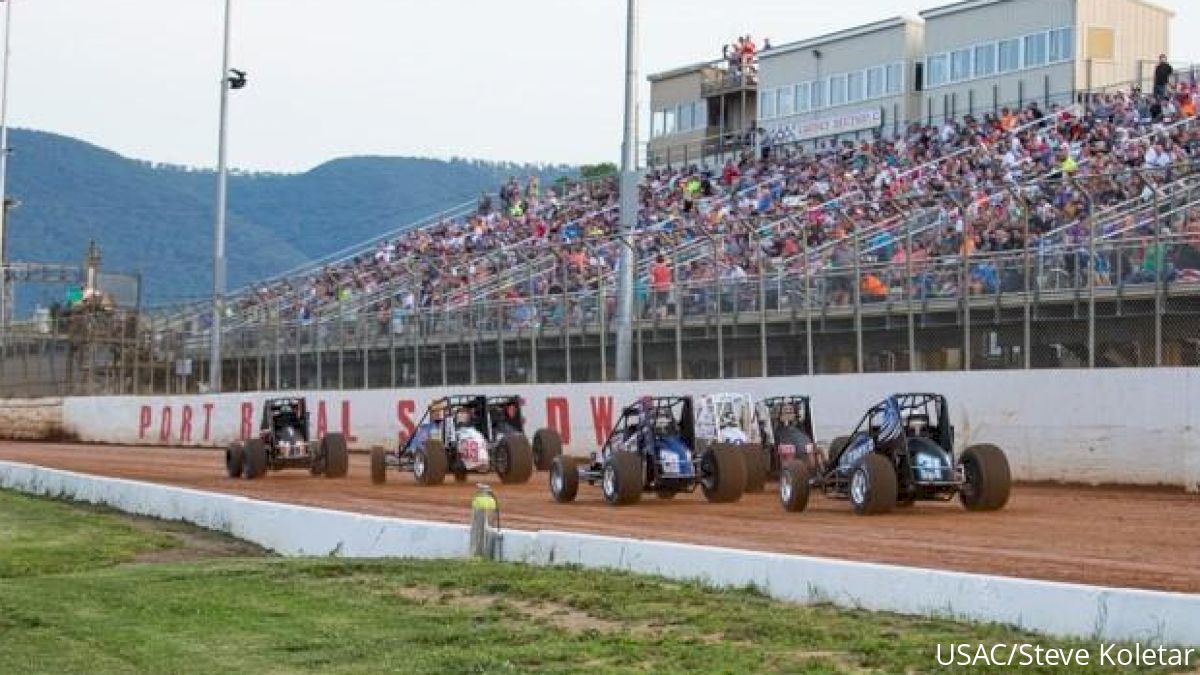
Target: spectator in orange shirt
<point x="660" y="283"/>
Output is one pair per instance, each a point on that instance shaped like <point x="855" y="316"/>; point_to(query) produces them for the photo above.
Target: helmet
<point x="787" y="413"/>
<point x="463" y="416"/>
<point x="728" y="419"/>
<point x="663" y="422"/>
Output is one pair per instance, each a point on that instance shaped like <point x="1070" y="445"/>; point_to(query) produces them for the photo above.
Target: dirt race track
<point x="1145" y="538"/>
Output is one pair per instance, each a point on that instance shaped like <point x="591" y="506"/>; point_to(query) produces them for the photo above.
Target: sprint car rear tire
<point x="793" y="486"/>
<point x="254" y="460"/>
<point x="430" y="463"/>
<point x="233" y="460"/>
<point x="836" y="447"/>
<point x="757" y="466"/>
<point x="989" y="479"/>
<point x="564" y="479"/>
<point x="873" y="485"/>
<point x="623" y="478"/>
<point x="517" y="466"/>
<point x="547" y="445"/>
<point x="723" y="474"/>
<point x="378" y="466"/>
<point x="337" y="457"/>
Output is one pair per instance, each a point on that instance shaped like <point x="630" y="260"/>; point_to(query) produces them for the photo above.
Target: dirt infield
<point x="1141" y="538"/>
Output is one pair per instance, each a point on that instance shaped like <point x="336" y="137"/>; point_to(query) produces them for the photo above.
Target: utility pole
<point x="6" y="301"/>
<point x="629" y="202"/>
<point x="218" y="299"/>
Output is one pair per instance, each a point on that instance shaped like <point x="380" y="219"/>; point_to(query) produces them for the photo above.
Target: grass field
<point x="90" y="591"/>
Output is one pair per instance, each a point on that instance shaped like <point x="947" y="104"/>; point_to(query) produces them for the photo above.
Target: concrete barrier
<point x="1048" y="607"/>
<point x="1120" y="426"/>
<point x="34" y="419"/>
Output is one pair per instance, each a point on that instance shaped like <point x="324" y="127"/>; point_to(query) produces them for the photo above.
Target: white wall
<point x="1134" y="426"/>
<point x="1087" y="612"/>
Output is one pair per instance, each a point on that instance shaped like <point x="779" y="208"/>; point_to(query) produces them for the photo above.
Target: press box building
<point x="970" y="57"/>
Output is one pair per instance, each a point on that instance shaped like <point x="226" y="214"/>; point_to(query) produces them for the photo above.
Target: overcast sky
<point x="522" y="80"/>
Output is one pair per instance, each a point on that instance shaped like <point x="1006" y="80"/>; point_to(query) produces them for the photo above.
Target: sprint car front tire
<point x="234" y="456"/>
<point x="430" y="463"/>
<point x="873" y="485"/>
<point x="564" y="479"/>
<point x="378" y="466"/>
<point x="793" y="486"/>
<point x="988" y="477"/>
<point x="623" y="478"/>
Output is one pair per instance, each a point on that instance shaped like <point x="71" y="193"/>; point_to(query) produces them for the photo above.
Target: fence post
<point x="678" y="314"/>
<point x="910" y="286"/>
<point x="391" y="331"/>
<point x="1159" y="286"/>
<point x="318" y="348"/>
<point x="1091" y="273"/>
<point x="808" y="336"/>
<point x="603" y="309"/>
<point x="719" y="312"/>
<point x="762" y="301"/>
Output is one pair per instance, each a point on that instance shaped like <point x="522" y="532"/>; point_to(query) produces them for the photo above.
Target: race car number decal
<point x="469" y="449"/>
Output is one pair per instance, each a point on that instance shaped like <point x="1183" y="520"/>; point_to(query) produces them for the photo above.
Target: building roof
<point x="866" y="29"/>
<point x="677" y="72"/>
<point x="968" y="5"/>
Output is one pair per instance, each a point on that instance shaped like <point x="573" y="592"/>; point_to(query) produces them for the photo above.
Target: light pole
<point x="5" y="291"/>
<point x="236" y="80"/>
<point x="629" y="202"/>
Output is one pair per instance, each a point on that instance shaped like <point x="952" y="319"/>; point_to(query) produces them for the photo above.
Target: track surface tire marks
<point x="1141" y="538"/>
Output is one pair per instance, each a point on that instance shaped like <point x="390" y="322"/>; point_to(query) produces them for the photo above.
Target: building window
<point x="1062" y="44"/>
<point x="787" y="100"/>
<point x="935" y="70"/>
<point x="701" y="117"/>
<point x="1010" y="55"/>
<point x="766" y="105"/>
<point x="669" y="121"/>
<point x="960" y="65"/>
<point x="837" y="90"/>
<point x="1035" y="50"/>
<point x="656" y="124"/>
<point x="874" y="82"/>
<point x="818" y="94"/>
<point x="802" y="103"/>
<point x="895" y="78"/>
<point x="687" y="117"/>
<point x="985" y="60"/>
<point x="854" y="87"/>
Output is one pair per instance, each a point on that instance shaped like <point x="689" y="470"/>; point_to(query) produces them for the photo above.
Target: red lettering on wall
<point x="350" y="437"/>
<point x="247" y="420"/>
<point x="602" y="416"/>
<point x="144" y="417"/>
<point x="558" y="417"/>
<point x="322" y="420"/>
<point x="164" y="426"/>
<point x="405" y="409"/>
<point x="185" y="425"/>
<point x="208" y="408"/>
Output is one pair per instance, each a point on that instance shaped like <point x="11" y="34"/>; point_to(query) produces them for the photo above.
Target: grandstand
<point x="1059" y="231"/>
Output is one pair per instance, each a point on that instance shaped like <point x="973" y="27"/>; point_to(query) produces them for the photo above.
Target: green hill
<point x="158" y="219"/>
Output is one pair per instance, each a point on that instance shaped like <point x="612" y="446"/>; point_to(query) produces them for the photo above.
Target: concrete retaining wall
<point x="35" y="419"/>
<point x="1135" y="426"/>
<point x="1055" y="608"/>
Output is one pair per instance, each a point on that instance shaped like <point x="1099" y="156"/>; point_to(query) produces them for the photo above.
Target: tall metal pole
<point x="5" y="291"/>
<point x="218" y="301"/>
<point x="629" y="201"/>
